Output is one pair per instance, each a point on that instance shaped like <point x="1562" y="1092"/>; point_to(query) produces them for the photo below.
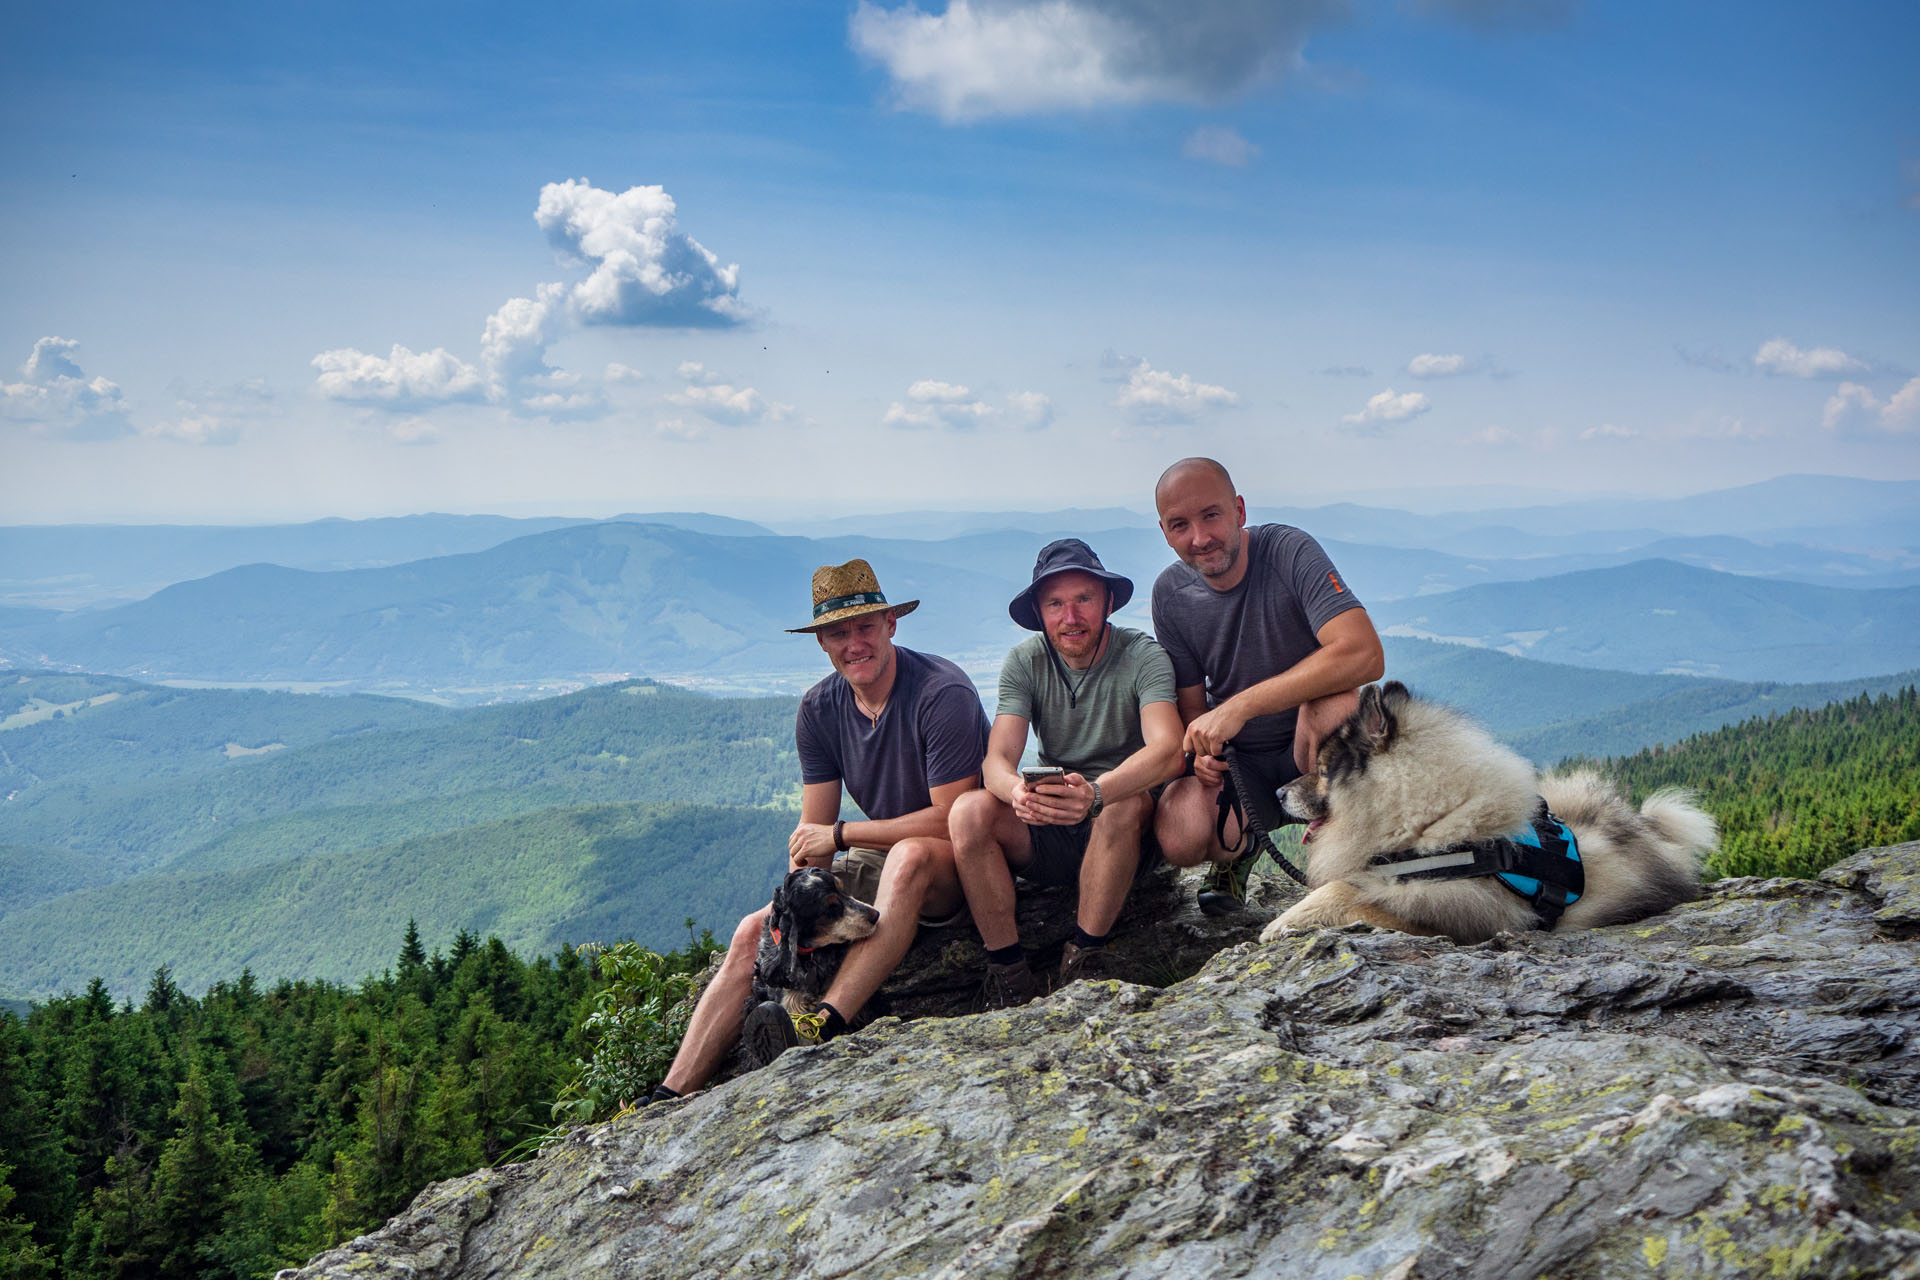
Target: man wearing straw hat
<point x="903" y="733"/>
<point x="1101" y="700"/>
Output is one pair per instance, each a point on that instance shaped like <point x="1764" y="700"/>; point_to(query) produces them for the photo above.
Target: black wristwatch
<point x="1099" y="803"/>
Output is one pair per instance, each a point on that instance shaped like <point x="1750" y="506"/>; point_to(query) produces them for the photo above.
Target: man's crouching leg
<point x="715" y="1027"/>
<point x="1106" y="874"/>
<point x="987" y="840"/>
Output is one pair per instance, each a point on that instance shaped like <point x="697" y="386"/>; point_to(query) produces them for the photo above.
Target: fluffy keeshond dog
<point x="1410" y="783"/>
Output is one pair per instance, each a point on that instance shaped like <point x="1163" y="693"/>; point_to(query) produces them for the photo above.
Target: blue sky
<point x="277" y="262"/>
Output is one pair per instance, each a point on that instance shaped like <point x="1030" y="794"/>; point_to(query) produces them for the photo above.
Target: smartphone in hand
<point x="1034" y="775"/>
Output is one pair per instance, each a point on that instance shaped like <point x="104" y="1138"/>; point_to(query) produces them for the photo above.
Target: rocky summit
<point x="1732" y="1089"/>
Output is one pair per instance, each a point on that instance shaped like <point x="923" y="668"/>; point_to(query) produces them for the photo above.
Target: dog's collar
<point x="802" y="951"/>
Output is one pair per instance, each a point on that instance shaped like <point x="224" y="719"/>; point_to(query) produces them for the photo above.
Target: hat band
<point x="847" y="602"/>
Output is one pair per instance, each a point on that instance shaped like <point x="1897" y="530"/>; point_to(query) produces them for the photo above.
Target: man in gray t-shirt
<point x="1268" y="645"/>
<point x="1101" y="700"/>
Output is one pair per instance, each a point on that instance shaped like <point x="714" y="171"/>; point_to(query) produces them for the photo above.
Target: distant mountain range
<point x="1656" y="616"/>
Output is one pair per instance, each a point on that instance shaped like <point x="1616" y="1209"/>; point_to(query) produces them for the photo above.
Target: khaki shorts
<point x="858" y="871"/>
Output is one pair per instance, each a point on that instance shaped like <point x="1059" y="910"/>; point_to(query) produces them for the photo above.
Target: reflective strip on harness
<point x="1540" y="862"/>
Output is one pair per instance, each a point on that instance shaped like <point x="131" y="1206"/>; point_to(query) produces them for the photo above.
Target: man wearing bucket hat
<point x="903" y="733"/>
<point x="1101" y="700"/>
<point x="1268" y="647"/>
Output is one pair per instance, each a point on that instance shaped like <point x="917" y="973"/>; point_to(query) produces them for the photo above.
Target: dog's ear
<point x="1375" y="718"/>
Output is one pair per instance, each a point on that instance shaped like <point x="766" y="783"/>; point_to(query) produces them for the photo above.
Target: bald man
<point x="1268" y="647"/>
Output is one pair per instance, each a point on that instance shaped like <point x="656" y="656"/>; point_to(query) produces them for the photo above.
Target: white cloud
<point x="717" y="401"/>
<point x="1608" y="431"/>
<point x="1030" y="410"/>
<point x="1430" y="366"/>
<point x="402" y="380"/>
<point x="623" y="374"/>
<point x="1156" y="396"/>
<point x="1388" y="406"/>
<point x="1220" y="145"/>
<point x="643" y="272"/>
<point x="932" y="404"/>
<point x="57" y="396"/>
<point x="646" y="271"/>
<point x="1854" y="406"/>
<point x="1022" y="57"/>
<point x="1779" y="356"/>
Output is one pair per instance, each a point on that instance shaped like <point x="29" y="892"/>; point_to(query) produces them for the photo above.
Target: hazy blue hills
<point x="535" y="880"/>
<point x="1658" y="616"/>
<point x="599" y="600"/>
<point x="69" y="565"/>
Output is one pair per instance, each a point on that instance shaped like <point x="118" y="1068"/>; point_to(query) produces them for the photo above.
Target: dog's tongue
<point x="1312" y="827"/>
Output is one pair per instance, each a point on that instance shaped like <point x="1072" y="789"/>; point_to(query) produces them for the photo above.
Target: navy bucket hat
<point x="1066" y="555"/>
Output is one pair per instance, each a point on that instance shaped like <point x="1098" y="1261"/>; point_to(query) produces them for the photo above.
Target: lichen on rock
<point x="1727" y="1090"/>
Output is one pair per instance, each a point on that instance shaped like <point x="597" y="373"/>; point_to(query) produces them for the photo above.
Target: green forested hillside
<point x="615" y="743"/>
<point x="28" y="874"/>
<point x="236" y="1134"/>
<point x="1796" y="792"/>
<point x="538" y="881"/>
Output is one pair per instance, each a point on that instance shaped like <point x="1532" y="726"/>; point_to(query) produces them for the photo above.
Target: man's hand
<point x="1208" y="734"/>
<point x="811" y="845"/>
<point x="1060" y="802"/>
<point x="1211" y="770"/>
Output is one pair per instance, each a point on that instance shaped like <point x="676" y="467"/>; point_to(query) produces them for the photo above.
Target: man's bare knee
<point x="972" y="817"/>
<point x="1130" y="814"/>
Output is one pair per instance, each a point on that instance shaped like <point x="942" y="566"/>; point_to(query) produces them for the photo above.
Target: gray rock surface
<point x="1728" y="1090"/>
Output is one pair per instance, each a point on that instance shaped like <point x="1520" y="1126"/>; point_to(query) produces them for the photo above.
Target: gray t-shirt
<point x="1096" y="728"/>
<point x="1232" y="640"/>
<point x="932" y="732"/>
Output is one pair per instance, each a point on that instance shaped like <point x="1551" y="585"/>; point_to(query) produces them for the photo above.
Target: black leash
<point x="1259" y="814"/>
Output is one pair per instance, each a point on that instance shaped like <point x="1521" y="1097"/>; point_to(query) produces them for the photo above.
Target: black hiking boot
<point x="1225" y="891"/>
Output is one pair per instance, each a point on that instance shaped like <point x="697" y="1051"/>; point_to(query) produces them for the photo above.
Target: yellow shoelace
<point x="811" y="1027"/>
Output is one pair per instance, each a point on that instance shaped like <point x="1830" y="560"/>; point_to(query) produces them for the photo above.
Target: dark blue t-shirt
<point x="932" y="732"/>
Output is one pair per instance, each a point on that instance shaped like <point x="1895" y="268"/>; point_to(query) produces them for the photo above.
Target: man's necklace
<point x="872" y="713"/>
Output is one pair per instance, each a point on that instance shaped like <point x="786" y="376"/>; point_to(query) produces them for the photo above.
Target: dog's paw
<point x="1275" y="929"/>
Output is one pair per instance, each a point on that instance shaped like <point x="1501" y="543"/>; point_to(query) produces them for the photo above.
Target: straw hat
<point x="842" y="591"/>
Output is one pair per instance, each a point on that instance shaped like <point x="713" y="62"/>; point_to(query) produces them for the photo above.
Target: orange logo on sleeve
<point x="1335" y="581"/>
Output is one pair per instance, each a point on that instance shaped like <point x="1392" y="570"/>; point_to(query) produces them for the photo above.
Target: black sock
<point x="661" y="1094"/>
<point x="1087" y="941"/>
<point x="1006" y="955"/>
<point x="834" y="1024"/>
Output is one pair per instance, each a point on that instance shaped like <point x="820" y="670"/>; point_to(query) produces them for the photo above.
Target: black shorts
<point x="1057" y="853"/>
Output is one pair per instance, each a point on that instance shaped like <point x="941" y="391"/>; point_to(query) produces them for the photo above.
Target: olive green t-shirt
<point x="1098" y="726"/>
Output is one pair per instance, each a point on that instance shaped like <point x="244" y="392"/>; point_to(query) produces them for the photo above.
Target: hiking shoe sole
<point x="768" y="1032"/>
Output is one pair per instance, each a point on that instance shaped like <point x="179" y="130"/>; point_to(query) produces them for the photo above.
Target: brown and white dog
<point x="1405" y="782"/>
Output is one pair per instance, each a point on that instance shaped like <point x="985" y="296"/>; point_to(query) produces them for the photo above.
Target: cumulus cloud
<point x="1430" y="366"/>
<point x="198" y="428"/>
<point x="1388" y="406"/>
<point x="1779" y="356"/>
<point x="680" y="430"/>
<point x="932" y="404"/>
<point x="1022" y="57"/>
<point x="717" y="400"/>
<point x="403" y="380"/>
<point x="1219" y="144"/>
<point x="1856" y="407"/>
<point x="1156" y="396"/>
<point x="643" y="271"/>
<point x="58" y="398"/>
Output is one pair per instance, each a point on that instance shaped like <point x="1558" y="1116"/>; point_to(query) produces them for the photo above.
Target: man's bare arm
<point x="1349" y="656"/>
<point x="1006" y="741"/>
<point x="1153" y="763"/>
<point x="811" y="843"/>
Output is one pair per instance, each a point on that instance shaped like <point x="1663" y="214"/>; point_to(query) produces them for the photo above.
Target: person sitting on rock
<point x="903" y="732"/>
<point x="1101" y="700"/>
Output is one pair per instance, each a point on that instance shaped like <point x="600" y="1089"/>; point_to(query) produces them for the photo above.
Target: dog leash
<point x="1256" y="828"/>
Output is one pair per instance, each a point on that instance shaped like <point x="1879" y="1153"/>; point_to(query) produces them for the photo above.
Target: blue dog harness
<point x="1540" y="862"/>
